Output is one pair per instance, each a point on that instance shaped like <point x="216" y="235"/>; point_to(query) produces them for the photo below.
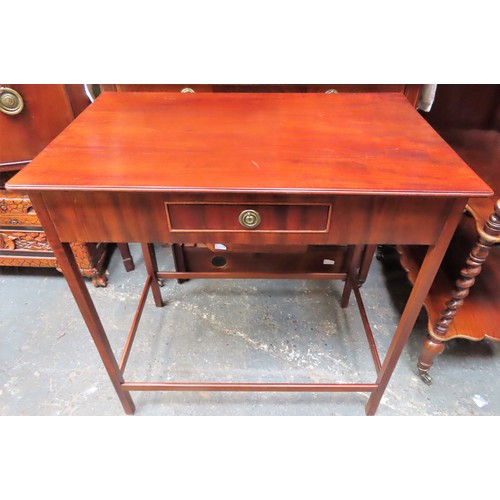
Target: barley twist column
<point x="433" y="345"/>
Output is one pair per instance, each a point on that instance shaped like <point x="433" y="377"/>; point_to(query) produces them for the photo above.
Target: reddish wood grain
<point x="224" y="217"/>
<point x="141" y="217"/>
<point x="47" y="110"/>
<point x="386" y="173"/>
<point x="293" y="143"/>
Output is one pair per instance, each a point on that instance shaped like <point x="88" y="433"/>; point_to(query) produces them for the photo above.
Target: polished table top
<point x="251" y="143"/>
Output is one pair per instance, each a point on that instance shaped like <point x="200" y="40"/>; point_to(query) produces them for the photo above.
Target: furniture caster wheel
<point x="426" y="378"/>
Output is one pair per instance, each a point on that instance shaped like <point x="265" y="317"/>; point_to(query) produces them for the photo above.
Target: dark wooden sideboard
<point x="411" y="91"/>
<point x="31" y="116"/>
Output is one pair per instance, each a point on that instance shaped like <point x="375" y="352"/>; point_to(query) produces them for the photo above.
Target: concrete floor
<point x="256" y="330"/>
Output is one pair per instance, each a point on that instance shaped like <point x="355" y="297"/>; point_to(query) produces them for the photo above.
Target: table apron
<point x="90" y="216"/>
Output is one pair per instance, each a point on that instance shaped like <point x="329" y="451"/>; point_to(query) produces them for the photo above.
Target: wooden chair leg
<point x="128" y="262"/>
<point x="431" y="349"/>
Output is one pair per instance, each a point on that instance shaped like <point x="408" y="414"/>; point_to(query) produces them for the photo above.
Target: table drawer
<point x="269" y="218"/>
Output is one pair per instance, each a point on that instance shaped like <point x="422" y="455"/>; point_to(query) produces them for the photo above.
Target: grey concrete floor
<point x="232" y="330"/>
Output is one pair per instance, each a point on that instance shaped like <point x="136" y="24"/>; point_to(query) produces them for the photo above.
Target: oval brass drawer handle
<point x="249" y="219"/>
<point x="11" y="102"/>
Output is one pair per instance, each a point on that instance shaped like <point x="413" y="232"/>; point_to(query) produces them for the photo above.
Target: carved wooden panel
<point x="24" y="244"/>
<point x="24" y="240"/>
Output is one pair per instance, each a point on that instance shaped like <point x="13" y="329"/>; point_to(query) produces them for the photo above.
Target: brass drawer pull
<point x="11" y="102"/>
<point x="249" y="219"/>
<point x="187" y="90"/>
<point x="331" y="91"/>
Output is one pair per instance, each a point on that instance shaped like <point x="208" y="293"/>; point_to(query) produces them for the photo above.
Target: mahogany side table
<point x="252" y="172"/>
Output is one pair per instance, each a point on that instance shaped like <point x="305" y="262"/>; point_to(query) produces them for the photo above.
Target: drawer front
<point x="261" y="218"/>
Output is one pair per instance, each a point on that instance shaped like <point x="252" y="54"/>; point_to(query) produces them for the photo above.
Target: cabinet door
<point x="46" y="111"/>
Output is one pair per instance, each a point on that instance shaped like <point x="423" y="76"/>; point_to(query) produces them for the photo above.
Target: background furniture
<point x="410" y="91"/>
<point x="464" y="301"/>
<point x="30" y="117"/>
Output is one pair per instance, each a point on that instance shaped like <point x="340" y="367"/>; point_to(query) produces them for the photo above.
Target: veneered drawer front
<point x="144" y="217"/>
<point x="273" y="218"/>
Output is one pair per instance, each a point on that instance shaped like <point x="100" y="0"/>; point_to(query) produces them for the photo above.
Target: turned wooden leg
<point x="128" y="262"/>
<point x="488" y="236"/>
<point x="431" y="349"/>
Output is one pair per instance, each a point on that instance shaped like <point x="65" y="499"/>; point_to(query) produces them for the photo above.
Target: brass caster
<point x="426" y="378"/>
